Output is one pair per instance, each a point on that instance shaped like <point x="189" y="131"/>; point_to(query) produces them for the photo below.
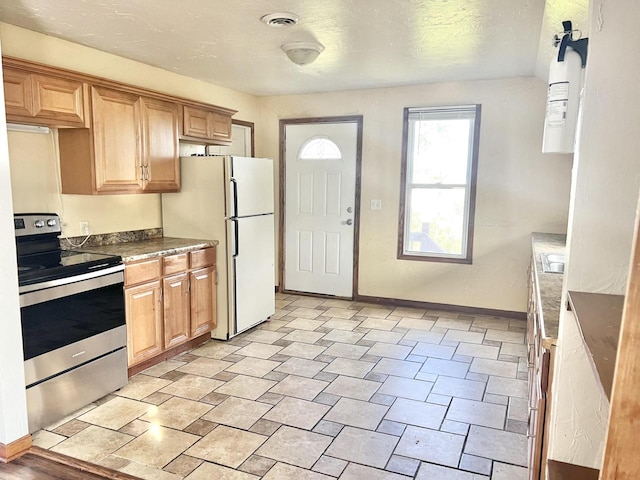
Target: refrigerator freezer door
<point x="252" y="179"/>
<point x="253" y="287"/>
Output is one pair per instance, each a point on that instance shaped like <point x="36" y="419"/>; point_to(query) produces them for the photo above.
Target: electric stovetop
<point x="67" y="264"/>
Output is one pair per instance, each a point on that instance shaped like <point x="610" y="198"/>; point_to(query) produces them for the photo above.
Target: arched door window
<point x="320" y="148"/>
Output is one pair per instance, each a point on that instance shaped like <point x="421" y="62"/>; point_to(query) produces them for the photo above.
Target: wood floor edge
<point x="105" y="472"/>
<point x="15" y="449"/>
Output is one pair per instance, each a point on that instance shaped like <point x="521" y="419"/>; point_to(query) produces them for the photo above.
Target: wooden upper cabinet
<point x="116" y="119"/>
<point x="195" y="122"/>
<point x="120" y="138"/>
<point x="58" y="99"/>
<point x="206" y="124"/>
<point x="220" y="127"/>
<point x="18" y="97"/>
<point x="131" y="147"/>
<point x="44" y="99"/>
<point x="161" y="167"/>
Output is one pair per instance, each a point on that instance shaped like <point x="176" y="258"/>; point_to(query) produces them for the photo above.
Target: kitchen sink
<point x="552" y="262"/>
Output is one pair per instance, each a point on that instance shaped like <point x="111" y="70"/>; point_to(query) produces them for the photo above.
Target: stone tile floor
<point x="325" y="389"/>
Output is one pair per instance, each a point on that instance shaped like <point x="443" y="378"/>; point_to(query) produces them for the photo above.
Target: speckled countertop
<point x="549" y="285"/>
<point x="153" y="247"/>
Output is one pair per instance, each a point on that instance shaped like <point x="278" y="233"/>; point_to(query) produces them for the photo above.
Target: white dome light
<point x="302" y="53"/>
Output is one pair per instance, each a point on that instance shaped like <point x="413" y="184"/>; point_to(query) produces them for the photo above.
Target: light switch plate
<point x="376" y="204"/>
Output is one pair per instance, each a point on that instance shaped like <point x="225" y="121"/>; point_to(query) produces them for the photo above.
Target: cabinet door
<point x="160" y="146"/>
<point x="18" y="96"/>
<point x="116" y="130"/>
<point x="195" y="122"/>
<point x="220" y="127"/>
<point x="59" y="100"/>
<point x="144" y="321"/>
<point x="203" y="300"/>
<point x="176" y="309"/>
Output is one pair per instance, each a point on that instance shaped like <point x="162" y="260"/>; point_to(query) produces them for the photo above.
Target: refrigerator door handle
<point x="234" y="183"/>
<point x="236" y="239"/>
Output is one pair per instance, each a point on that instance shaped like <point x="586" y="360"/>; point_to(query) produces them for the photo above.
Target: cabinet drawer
<point x="203" y="258"/>
<point x="143" y="271"/>
<point x="175" y="263"/>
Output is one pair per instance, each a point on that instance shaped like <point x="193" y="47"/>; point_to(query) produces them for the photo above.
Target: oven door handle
<point x="71" y="286"/>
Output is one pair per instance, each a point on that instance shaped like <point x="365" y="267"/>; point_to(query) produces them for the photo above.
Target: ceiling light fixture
<point x="302" y="53"/>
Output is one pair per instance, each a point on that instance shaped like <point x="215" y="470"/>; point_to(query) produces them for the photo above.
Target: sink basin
<point x="552" y="262"/>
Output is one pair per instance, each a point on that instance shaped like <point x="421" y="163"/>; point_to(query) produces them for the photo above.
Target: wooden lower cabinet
<point x="176" y="309"/>
<point x="144" y="331"/>
<point x="177" y="306"/>
<point x="203" y="300"/>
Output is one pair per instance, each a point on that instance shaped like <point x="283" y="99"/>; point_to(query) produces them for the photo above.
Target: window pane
<point x="440" y="150"/>
<point x="438" y="192"/>
<point x="320" y="148"/>
<point x="436" y="221"/>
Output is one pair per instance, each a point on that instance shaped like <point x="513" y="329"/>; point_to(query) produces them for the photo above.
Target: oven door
<point x="80" y="318"/>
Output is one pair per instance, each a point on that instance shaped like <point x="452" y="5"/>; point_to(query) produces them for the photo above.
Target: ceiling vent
<point x="280" y="19"/>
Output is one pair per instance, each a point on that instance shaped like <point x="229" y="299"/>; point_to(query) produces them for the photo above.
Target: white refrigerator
<point x="230" y="199"/>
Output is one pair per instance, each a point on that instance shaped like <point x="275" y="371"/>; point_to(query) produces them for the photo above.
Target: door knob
<point x="349" y="222"/>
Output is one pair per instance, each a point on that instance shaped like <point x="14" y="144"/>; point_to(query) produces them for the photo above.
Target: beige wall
<point x="34" y="157"/>
<point x="520" y="190"/>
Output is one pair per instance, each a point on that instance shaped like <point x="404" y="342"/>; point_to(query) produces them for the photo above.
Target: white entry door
<point x="320" y="166"/>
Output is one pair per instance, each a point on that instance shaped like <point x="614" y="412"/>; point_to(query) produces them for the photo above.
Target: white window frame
<point x="408" y="186"/>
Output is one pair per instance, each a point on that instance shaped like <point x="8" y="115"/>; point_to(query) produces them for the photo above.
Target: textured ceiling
<point x="368" y="43"/>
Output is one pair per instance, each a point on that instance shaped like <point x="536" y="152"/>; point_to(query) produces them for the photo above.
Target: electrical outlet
<point x="376" y="204"/>
<point x="84" y="228"/>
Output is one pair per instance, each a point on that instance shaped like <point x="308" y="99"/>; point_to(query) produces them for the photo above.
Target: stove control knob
<point x="39" y="223"/>
<point x="51" y="223"/>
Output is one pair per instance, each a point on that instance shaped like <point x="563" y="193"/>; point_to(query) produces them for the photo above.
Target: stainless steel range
<point x="73" y="321"/>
